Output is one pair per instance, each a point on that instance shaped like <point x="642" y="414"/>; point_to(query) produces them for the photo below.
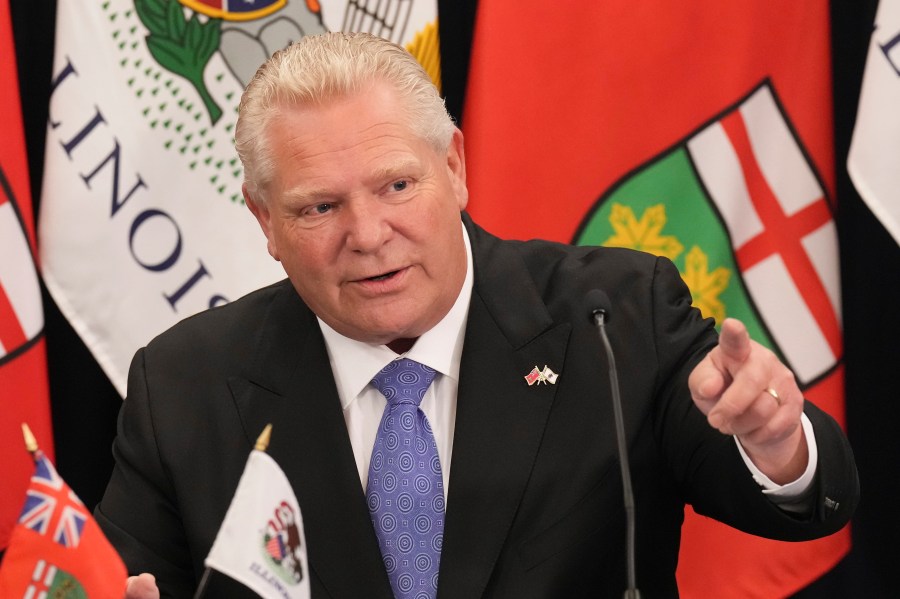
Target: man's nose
<point x="367" y="228"/>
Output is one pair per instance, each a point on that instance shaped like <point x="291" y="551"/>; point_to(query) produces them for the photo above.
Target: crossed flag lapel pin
<point x="537" y="376"/>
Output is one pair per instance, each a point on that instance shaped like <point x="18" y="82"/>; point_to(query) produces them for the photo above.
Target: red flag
<point x="695" y="130"/>
<point x="57" y="547"/>
<point x="23" y="368"/>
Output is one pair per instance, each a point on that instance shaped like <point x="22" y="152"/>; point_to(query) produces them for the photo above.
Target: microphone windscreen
<point x="596" y="301"/>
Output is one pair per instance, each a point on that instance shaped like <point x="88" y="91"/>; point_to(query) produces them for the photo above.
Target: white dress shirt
<point x="355" y="363"/>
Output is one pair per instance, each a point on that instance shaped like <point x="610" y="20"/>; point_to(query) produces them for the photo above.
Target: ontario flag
<point x="57" y="549"/>
<point x="24" y="393"/>
<point x="699" y="131"/>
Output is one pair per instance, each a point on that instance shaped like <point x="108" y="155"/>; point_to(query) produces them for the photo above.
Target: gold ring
<point x="774" y="394"/>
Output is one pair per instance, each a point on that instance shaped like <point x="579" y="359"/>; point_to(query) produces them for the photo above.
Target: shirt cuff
<point x="792" y="491"/>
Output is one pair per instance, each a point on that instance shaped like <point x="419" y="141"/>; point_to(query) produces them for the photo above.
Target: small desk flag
<point x="57" y="549"/>
<point x="261" y="542"/>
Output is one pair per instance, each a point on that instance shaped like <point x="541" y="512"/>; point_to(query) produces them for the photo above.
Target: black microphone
<point x="598" y="309"/>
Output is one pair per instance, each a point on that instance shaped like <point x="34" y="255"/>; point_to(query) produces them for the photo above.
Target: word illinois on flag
<point x="57" y="549"/>
<point x="142" y="219"/>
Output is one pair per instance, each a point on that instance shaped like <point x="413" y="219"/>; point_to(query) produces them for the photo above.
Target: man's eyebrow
<point x="396" y="169"/>
<point x="300" y="194"/>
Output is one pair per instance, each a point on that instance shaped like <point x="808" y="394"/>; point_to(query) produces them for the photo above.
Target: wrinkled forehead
<point x="363" y="128"/>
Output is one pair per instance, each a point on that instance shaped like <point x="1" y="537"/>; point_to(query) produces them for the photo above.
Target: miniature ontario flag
<point x="56" y="549"/>
<point x="261" y="542"/>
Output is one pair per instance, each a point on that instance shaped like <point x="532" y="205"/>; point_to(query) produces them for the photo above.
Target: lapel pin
<point x="537" y="376"/>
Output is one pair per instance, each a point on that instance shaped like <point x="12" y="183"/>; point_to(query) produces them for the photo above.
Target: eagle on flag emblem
<point x="282" y="544"/>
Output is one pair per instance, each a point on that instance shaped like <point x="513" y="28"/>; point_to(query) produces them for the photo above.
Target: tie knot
<point x="404" y="381"/>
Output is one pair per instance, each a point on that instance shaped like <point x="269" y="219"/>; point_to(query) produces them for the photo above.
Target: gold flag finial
<point x="30" y="442"/>
<point x="262" y="442"/>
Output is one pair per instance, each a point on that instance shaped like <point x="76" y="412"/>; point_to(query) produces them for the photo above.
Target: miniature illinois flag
<point x="57" y="549"/>
<point x="261" y="542"/>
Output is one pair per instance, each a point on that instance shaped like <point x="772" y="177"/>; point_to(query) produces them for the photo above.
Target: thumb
<point x="141" y="587"/>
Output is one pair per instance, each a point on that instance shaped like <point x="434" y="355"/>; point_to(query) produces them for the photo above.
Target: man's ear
<point x="261" y="211"/>
<point x="456" y="167"/>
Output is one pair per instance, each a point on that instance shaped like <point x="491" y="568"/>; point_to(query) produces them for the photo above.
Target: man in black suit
<point x="356" y="175"/>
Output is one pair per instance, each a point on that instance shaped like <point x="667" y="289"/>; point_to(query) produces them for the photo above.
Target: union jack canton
<point x="51" y="505"/>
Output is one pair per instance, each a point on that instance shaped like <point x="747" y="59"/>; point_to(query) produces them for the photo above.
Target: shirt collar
<point x="354" y="363"/>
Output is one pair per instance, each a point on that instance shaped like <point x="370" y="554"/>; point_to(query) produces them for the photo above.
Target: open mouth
<point x="383" y="277"/>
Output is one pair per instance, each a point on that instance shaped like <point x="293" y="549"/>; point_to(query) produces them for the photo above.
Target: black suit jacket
<point x="534" y="505"/>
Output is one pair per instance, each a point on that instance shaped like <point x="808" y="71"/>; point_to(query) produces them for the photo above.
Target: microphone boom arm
<point x="598" y="315"/>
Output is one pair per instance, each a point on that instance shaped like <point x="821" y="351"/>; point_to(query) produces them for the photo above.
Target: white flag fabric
<point x="872" y="162"/>
<point x="261" y="542"/>
<point x="142" y="221"/>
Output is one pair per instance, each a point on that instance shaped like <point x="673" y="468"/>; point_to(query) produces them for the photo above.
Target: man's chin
<point x="377" y="333"/>
<point x="384" y="323"/>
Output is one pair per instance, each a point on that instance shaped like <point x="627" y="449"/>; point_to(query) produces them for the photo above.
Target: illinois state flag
<point x="57" y="549"/>
<point x="261" y="542"/>
<point x="142" y="219"/>
<point x="700" y="131"/>
<point x="23" y="367"/>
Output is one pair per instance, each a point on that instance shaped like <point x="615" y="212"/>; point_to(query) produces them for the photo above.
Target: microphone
<point x="598" y="309"/>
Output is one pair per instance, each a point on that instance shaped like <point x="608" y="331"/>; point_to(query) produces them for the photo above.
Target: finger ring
<point x="774" y="394"/>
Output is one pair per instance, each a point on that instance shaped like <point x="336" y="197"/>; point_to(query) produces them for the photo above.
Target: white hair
<point x="324" y="67"/>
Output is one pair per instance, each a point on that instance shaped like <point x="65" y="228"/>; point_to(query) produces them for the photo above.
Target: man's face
<point x="365" y="216"/>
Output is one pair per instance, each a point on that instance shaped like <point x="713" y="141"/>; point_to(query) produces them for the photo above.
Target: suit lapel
<point x="500" y="419"/>
<point x="311" y="444"/>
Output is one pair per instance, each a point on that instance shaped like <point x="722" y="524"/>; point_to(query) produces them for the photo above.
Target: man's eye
<point x="320" y="209"/>
<point x="399" y="185"/>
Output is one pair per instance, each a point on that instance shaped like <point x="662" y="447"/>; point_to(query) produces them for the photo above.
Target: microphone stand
<point x="631" y="592"/>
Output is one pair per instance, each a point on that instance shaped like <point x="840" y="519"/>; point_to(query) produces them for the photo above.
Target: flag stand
<point x="204" y="581"/>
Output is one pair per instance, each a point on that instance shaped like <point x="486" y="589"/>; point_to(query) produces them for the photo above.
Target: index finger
<point x="734" y="344"/>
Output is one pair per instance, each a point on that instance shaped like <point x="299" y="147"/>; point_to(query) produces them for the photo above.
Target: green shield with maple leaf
<point x="663" y="208"/>
<point x="741" y="211"/>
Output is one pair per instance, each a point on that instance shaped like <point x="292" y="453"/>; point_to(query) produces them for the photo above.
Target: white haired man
<point x="357" y="177"/>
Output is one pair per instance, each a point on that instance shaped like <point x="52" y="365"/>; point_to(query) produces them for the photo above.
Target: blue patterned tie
<point x="405" y="491"/>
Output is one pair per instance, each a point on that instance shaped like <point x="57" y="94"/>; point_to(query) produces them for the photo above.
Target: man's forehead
<point x="382" y="170"/>
<point x="363" y="115"/>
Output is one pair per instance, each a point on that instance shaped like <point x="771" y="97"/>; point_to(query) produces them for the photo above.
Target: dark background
<point x="85" y="404"/>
